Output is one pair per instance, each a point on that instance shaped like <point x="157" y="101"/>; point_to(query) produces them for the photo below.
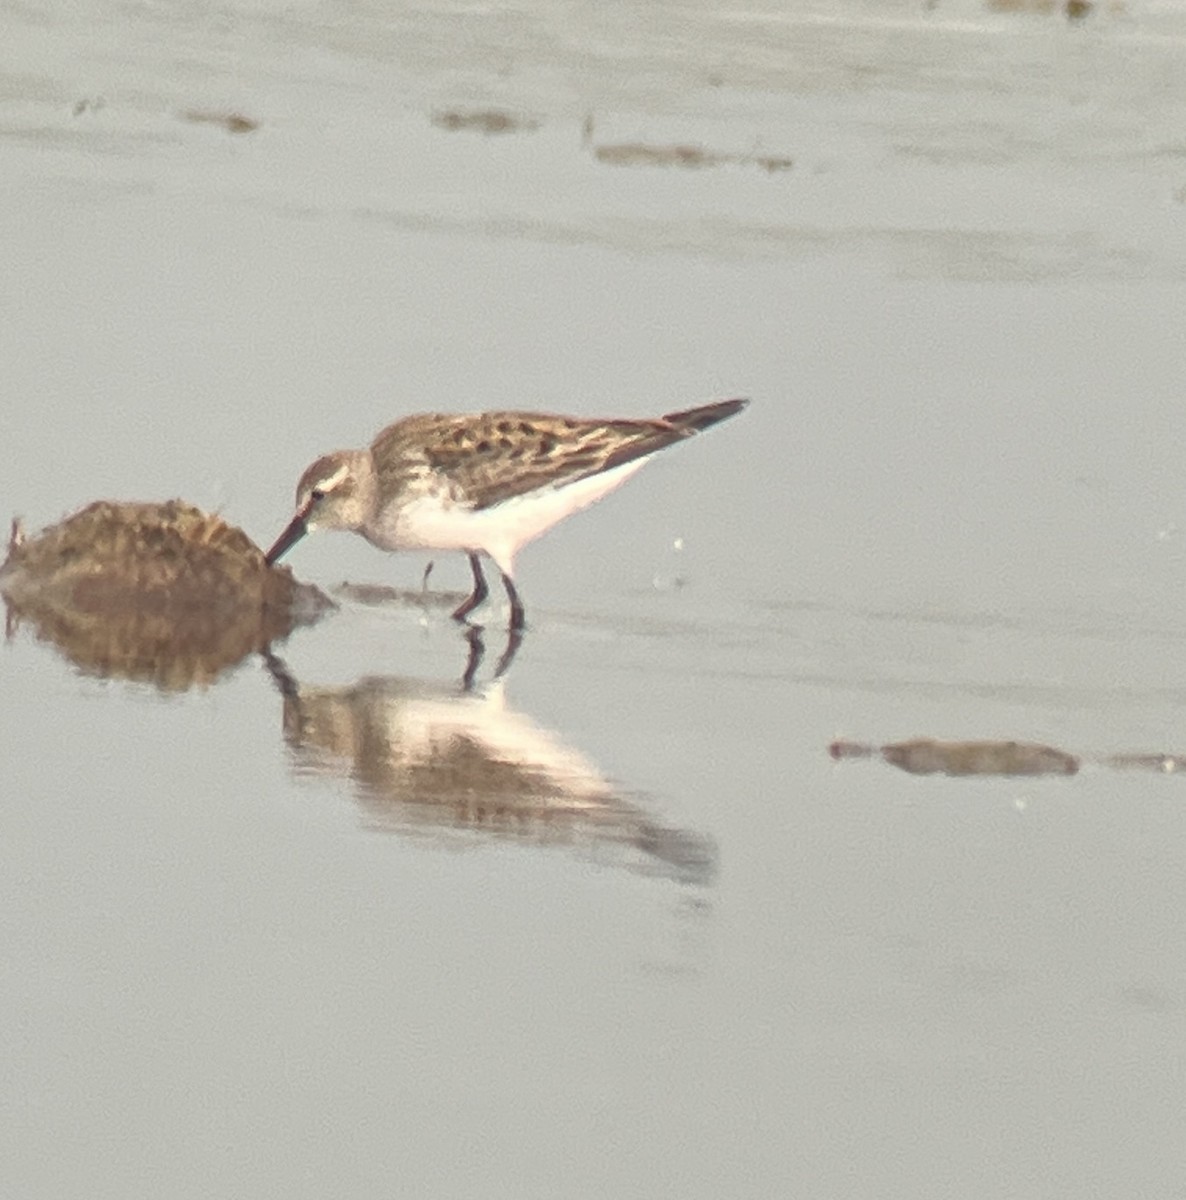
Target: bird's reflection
<point x="476" y="638"/>
<point x="474" y="633"/>
<point x="428" y="760"/>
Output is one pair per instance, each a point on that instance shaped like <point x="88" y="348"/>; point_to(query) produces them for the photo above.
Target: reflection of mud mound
<point x="159" y="592"/>
<point x="432" y="762"/>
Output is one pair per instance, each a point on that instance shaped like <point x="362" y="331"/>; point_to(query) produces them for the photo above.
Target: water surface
<point x="271" y="937"/>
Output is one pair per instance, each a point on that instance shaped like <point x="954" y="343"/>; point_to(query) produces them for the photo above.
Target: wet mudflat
<point x="616" y="923"/>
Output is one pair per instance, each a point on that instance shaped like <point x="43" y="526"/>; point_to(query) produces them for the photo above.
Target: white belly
<point x="502" y="530"/>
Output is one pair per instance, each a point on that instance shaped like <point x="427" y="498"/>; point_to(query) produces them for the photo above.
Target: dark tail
<point x="646" y="437"/>
<point x="695" y="419"/>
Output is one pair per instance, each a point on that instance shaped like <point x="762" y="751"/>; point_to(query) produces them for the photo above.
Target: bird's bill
<point x="293" y="532"/>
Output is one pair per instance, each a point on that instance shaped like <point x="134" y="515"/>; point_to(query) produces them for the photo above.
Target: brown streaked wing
<point x="495" y="456"/>
<point x="400" y="452"/>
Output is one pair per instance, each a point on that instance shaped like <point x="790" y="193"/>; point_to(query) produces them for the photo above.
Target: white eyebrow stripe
<point x="330" y="482"/>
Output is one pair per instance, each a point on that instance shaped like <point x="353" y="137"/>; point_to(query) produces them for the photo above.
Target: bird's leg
<point x="514" y="641"/>
<point x="478" y="595"/>
<point x="518" y="616"/>
<point x="477" y="651"/>
<point x="281" y="676"/>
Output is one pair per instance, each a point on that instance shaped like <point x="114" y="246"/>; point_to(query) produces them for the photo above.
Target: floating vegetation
<point x="158" y="592"/>
<point x="487" y="121"/>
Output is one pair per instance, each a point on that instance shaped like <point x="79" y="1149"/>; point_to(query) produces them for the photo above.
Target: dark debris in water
<point x="158" y="592"/>
<point x="689" y="157"/>
<point x="232" y="122"/>
<point x="487" y="121"/>
<point x="639" y="154"/>
<point x="685" y="155"/>
<point x="1073" y="10"/>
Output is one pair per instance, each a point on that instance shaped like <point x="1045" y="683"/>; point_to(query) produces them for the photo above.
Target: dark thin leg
<point x="477" y="651"/>
<point x="280" y="674"/>
<point x="514" y="641"/>
<point x="478" y="595"/>
<point x="518" y="616"/>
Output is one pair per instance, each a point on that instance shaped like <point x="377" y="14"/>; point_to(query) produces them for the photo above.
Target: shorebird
<point x="484" y="483"/>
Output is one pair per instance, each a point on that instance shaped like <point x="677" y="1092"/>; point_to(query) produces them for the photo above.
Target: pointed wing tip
<point x="693" y="420"/>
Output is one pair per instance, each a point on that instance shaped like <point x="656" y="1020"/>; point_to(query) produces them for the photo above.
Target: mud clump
<point x="158" y="592"/>
<point x="928" y="756"/>
<point x="924" y="756"/>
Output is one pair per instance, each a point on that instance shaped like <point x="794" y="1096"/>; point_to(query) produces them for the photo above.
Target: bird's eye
<point x="317" y="493"/>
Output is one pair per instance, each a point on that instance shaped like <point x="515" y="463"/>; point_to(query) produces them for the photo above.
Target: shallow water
<point x="635" y="933"/>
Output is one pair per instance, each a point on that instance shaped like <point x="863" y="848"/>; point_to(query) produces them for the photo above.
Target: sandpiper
<point x="484" y="483"/>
